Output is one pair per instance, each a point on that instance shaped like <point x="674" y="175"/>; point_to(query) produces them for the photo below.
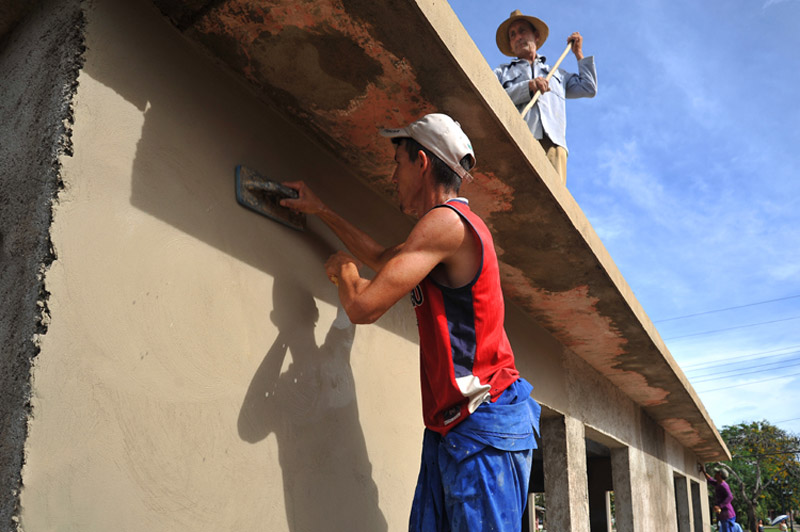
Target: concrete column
<point x="565" y="480"/>
<point x="682" y="504"/>
<point x="623" y="496"/>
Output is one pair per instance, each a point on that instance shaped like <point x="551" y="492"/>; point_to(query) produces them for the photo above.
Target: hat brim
<point x="504" y="44"/>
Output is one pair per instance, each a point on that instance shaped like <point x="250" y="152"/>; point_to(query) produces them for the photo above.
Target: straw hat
<point x="502" y="32"/>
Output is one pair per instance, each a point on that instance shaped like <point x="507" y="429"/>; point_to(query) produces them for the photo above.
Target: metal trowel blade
<point x="263" y="196"/>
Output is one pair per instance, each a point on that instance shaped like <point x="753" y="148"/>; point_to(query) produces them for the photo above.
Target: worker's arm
<point x="435" y="240"/>
<point x="584" y="83"/>
<point x="360" y="244"/>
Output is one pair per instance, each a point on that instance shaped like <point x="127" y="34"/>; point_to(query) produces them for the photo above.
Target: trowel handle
<point x="273" y="187"/>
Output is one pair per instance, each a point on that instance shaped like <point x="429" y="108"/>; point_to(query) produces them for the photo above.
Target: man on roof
<point x="521" y="36"/>
<point x="479" y="416"/>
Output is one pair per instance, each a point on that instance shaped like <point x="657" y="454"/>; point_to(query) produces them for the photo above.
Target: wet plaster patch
<point x="685" y="429"/>
<point x="326" y="69"/>
<point x="310" y="66"/>
<point x="326" y="65"/>
<point x="572" y="316"/>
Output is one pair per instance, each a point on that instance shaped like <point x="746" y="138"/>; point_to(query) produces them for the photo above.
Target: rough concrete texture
<point x="623" y="490"/>
<point x="565" y="477"/>
<point x="342" y="69"/>
<point x="651" y="473"/>
<point x="39" y="61"/>
<point x="682" y="504"/>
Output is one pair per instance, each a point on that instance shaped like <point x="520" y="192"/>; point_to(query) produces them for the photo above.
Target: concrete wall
<point x="39" y="61"/>
<point x="196" y="374"/>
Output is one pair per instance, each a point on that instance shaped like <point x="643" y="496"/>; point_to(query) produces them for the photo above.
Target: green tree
<point x="765" y="465"/>
<point x="783" y="495"/>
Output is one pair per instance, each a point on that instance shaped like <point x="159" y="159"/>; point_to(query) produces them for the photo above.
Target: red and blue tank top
<point x="465" y="356"/>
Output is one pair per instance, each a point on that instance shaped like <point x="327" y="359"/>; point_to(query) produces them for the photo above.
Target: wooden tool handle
<point x="549" y="75"/>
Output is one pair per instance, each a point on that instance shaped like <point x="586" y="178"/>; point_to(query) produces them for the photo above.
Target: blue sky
<point x="685" y="164"/>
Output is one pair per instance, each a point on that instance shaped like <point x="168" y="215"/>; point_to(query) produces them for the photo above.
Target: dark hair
<point x="442" y="173"/>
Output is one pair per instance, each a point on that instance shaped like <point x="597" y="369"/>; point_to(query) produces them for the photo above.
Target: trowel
<point x="263" y="196"/>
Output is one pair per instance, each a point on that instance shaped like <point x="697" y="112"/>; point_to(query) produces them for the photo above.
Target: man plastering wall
<point x="480" y="418"/>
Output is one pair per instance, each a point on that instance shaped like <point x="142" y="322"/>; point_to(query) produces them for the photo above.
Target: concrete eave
<point x="343" y="68"/>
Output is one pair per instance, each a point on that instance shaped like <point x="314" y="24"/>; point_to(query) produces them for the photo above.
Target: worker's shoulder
<point x="441" y="217"/>
<point x="438" y="226"/>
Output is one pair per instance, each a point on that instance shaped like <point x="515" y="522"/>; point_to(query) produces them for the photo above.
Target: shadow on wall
<point x="312" y="410"/>
<point x="197" y="125"/>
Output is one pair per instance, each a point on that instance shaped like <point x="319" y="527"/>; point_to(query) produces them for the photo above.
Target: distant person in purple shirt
<point x="723" y="497"/>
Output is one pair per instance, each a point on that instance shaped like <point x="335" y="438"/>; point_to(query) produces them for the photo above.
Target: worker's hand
<point x="577" y="44"/>
<point x="538" y="84"/>
<point x="717" y="510"/>
<point x="336" y="265"/>
<point x="307" y="201"/>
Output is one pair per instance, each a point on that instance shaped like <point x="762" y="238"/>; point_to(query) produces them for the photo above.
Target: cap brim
<point x="395" y="133"/>
<point x="405" y="132"/>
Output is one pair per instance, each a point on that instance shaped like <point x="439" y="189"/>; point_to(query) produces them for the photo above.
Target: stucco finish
<point x="39" y="61"/>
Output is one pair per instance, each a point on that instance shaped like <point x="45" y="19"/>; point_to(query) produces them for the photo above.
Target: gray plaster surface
<point x="40" y="60"/>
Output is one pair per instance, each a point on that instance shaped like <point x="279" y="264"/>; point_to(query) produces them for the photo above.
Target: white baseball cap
<point x="443" y="136"/>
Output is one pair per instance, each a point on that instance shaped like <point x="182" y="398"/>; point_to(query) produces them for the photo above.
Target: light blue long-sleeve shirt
<point x="549" y="114"/>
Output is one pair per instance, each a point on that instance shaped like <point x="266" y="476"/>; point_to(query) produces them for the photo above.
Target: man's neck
<point x="530" y="58"/>
<point x="433" y="197"/>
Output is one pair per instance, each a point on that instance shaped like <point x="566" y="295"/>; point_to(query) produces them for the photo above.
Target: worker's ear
<point x="423" y="161"/>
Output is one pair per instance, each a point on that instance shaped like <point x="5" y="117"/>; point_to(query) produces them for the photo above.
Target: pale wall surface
<point x="186" y="382"/>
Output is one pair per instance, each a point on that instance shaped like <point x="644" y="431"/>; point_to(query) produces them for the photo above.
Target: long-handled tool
<point x="263" y="196"/>
<point x="550" y="75"/>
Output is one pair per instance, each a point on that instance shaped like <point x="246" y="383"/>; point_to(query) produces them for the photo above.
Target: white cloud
<point x="784" y="271"/>
<point x="762" y="400"/>
<point x="627" y="174"/>
<point x="770" y="3"/>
